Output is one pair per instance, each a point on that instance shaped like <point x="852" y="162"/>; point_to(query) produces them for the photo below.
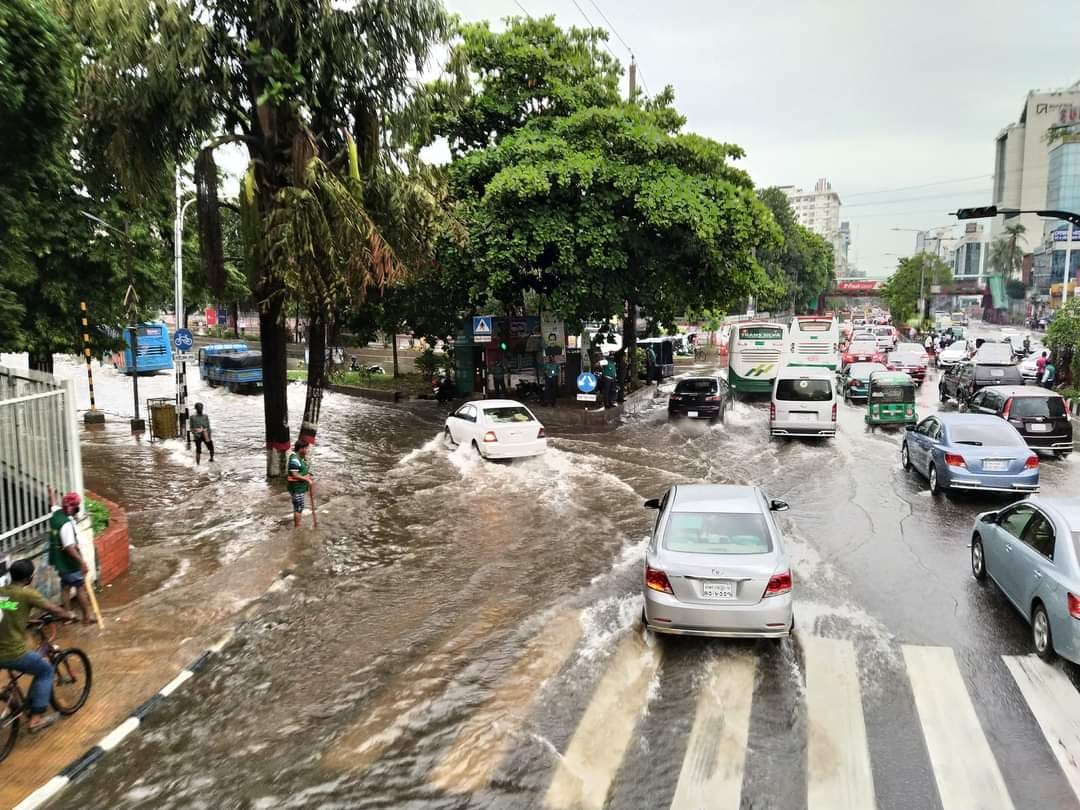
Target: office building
<point x="819" y="211"/>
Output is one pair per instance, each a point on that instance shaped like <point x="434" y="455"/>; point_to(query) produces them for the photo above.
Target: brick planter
<point x="368" y="393"/>
<point x="112" y="546"/>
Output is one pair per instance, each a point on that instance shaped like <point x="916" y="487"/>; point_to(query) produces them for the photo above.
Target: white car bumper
<point x="535" y="447"/>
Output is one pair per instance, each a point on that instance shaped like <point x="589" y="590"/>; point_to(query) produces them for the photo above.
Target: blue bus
<point x="155" y="348"/>
<point x="233" y="365"/>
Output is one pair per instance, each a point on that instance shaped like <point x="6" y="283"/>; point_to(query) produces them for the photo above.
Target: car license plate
<point x="691" y="414"/>
<point x="804" y="417"/>
<point x="997" y="372"/>
<point x="1039" y="427"/>
<point x="995" y="465"/>
<point x="718" y="590"/>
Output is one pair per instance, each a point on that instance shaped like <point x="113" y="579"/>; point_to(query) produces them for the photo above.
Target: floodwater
<point x="464" y="634"/>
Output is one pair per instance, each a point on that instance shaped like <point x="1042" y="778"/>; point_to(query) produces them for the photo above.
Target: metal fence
<point x="39" y="448"/>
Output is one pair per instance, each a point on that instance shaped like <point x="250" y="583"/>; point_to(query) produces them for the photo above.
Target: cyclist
<point x="16" y="600"/>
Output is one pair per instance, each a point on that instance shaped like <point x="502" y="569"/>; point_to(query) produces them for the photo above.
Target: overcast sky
<point x="875" y="96"/>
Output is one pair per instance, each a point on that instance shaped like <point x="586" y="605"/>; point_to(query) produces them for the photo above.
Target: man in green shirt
<point x="199" y="425"/>
<point x="16" y="600"/>
<point x="300" y="482"/>
<point x="64" y="553"/>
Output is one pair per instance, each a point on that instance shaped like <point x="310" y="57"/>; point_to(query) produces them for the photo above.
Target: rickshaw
<point x="891" y="399"/>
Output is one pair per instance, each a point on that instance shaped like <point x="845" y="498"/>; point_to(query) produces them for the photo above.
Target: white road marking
<point x="40" y="796"/>
<point x="967" y="775"/>
<point x="117" y="735"/>
<point x="176" y="683"/>
<point x="482" y="742"/>
<point x="585" y="773"/>
<point x="712" y="770"/>
<point x="838" y="758"/>
<point x="1056" y="705"/>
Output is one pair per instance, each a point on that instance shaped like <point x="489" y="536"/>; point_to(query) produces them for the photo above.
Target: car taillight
<point x="955" y="460"/>
<point x="657" y="580"/>
<point x="852" y="383"/>
<point x="834" y="411"/>
<point x="490" y="436"/>
<point x="1008" y="407"/>
<point x="713" y="399"/>
<point x="772" y="411"/>
<point x="1032" y="463"/>
<point x="1074" y="606"/>
<point x="540" y="433"/>
<point x="847" y="359"/>
<point x="891" y="366"/>
<point x="778" y="584"/>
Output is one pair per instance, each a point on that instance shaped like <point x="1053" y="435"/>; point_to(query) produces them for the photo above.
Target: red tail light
<point x="1032" y="463"/>
<point x="834" y="411"/>
<point x="955" y="460"/>
<point x="778" y="584"/>
<point x="713" y="399"/>
<point x="657" y="580"/>
<point x="852" y="383"/>
<point x="1008" y="407"/>
<point x="490" y="436"/>
<point x="1074" y="606"/>
<point x="891" y="366"/>
<point x="772" y="411"/>
<point x="540" y="433"/>
<point x="848" y="359"/>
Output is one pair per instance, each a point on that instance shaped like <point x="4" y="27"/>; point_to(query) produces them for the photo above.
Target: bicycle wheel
<point x="73" y="679"/>
<point x="10" y="715"/>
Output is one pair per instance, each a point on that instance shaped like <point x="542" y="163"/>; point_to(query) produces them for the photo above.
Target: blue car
<point x="970" y="451"/>
<point x="1028" y="550"/>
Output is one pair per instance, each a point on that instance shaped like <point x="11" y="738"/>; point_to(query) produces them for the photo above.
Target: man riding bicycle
<point x="16" y="600"/>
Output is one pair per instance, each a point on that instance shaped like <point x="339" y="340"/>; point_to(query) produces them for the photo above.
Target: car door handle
<point x="1038" y="574"/>
<point x="1008" y="546"/>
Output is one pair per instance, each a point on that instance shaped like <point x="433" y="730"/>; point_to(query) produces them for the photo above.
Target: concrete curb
<point x="111" y="740"/>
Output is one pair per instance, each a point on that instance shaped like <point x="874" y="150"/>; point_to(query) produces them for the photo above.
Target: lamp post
<point x="131" y="300"/>
<point x="923" y="303"/>
<point x="178" y="292"/>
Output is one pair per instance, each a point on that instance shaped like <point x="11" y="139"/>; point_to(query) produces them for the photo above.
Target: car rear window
<point x="862" y="371"/>
<point x="1031" y="407"/>
<point x="696" y="387"/>
<point x="998" y="374"/>
<point x="994" y="353"/>
<point x="804" y="390"/>
<point x="907" y="358"/>
<point x="508" y="414"/>
<point x="987" y="434"/>
<point x="893" y="393"/>
<point x="863" y="347"/>
<point x="717" y="533"/>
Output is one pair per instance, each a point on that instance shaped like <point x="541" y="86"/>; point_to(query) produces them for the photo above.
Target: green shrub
<point x="99" y="515"/>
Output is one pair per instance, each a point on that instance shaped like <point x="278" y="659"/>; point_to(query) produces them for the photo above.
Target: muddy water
<point x="456" y="625"/>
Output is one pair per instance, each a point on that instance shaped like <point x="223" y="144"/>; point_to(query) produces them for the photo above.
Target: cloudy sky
<point x="896" y="103"/>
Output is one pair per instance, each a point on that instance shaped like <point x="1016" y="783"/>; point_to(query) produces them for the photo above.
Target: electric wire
<point x="523" y="9"/>
<point x="590" y="23"/>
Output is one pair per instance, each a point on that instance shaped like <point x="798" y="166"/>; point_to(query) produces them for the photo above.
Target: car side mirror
<point x="991" y="517"/>
<point x="909" y="428"/>
<point x="652" y="503"/>
<point x="778" y="506"/>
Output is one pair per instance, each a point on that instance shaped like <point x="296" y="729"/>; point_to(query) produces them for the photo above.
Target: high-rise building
<point x="819" y="211"/>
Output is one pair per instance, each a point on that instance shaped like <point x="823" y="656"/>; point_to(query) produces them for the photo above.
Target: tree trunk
<point x="236" y="319"/>
<point x="41" y="361"/>
<point x="316" y="376"/>
<point x="630" y="346"/>
<point x="273" y="339"/>
<point x="394" y="344"/>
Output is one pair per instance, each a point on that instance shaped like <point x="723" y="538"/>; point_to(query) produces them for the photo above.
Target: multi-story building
<point x="819" y="211"/>
<point x="1063" y="194"/>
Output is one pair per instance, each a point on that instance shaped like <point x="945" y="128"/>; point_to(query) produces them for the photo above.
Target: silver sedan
<point x="1030" y="550"/>
<point x="716" y="565"/>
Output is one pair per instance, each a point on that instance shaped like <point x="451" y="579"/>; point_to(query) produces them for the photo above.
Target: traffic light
<point x="977" y="213"/>
<point x="503" y="345"/>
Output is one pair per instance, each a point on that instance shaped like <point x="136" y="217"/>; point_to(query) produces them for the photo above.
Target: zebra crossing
<point x="966" y="764"/>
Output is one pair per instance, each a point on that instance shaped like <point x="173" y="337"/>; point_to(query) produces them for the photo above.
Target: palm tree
<point x="1006" y="255"/>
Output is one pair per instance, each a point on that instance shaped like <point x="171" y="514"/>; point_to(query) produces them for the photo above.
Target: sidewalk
<point x="144" y="645"/>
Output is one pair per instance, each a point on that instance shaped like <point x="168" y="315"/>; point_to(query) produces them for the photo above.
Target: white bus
<point x="755" y="355"/>
<point x="814" y="340"/>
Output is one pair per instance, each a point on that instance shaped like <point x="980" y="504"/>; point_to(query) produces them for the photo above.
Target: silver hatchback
<point x="716" y="564"/>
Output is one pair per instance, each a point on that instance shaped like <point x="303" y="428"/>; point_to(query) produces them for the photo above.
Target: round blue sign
<point x="182" y="339"/>
<point x="586" y="382"/>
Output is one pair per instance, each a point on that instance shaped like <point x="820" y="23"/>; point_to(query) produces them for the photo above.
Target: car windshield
<point x="1031" y="407"/>
<point x="511" y="413"/>
<point x="1000" y="353"/>
<point x="703" y="386"/>
<point x="987" y="434"/>
<point x="804" y="390"/>
<point x="717" y="533"/>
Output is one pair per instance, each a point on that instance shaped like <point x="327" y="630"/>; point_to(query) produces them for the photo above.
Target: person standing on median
<point x="609" y="371"/>
<point x="64" y="554"/>
<point x="16" y="600"/>
<point x="1049" y="374"/>
<point x="300" y="482"/>
<point x="199" y="425"/>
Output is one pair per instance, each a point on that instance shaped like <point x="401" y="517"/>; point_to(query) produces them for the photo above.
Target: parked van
<point x="803" y="402"/>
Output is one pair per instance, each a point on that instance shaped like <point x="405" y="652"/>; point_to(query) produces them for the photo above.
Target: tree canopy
<point x="901" y="290"/>
<point x="800" y="266"/>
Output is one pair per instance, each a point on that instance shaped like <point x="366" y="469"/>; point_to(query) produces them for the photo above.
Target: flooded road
<point x="465" y="635"/>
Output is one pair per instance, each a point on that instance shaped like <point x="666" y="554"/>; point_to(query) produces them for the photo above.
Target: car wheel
<point x="978" y="560"/>
<point x="476" y="449"/>
<point x="905" y="456"/>
<point x="448" y="437"/>
<point x="942" y="393"/>
<point x="935" y="487"/>
<point x="1040" y="633"/>
<point x="644" y="621"/>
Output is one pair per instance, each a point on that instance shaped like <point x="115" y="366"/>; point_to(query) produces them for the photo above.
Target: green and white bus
<point x="755" y="356"/>
<point x="814" y="341"/>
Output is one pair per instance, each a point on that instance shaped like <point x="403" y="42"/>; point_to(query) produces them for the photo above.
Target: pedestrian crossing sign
<point x="481" y="328"/>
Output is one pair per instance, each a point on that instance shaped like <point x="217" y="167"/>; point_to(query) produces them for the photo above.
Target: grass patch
<point x="99" y="515"/>
<point x="409" y="383"/>
<point x="296" y="374"/>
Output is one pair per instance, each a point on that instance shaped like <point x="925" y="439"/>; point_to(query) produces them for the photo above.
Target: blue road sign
<point x="183" y="340"/>
<point x="586" y="382"/>
<point x="481" y="328"/>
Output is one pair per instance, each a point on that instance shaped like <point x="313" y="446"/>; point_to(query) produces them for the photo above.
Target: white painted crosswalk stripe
<point x="966" y="772"/>
<point x="838" y="758"/>
<point x="712" y="770"/>
<point x="1056" y="705"/>
<point x="585" y="773"/>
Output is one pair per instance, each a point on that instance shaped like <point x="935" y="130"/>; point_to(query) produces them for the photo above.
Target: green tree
<point x="1006" y="253"/>
<point x="912" y="275"/>
<point x="315" y="90"/>
<point x="1063" y="337"/>
<point x="801" y="267"/>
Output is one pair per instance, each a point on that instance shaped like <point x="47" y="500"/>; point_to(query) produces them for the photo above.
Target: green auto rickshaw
<point x="891" y="399"/>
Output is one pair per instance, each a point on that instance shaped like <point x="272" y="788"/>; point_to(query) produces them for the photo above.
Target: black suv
<point x="964" y="380"/>
<point x="699" y="398"/>
<point x="1041" y="416"/>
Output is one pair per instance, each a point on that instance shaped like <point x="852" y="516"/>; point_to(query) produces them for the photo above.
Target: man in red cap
<point x="64" y="554"/>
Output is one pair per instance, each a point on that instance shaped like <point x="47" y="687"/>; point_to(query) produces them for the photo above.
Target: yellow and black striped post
<point x="92" y="416"/>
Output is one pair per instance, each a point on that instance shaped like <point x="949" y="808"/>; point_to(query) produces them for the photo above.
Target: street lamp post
<point x="178" y="291"/>
<point x="923" y="303"/>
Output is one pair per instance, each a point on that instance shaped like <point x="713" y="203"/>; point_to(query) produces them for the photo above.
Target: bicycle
<point x="71" y="683"/>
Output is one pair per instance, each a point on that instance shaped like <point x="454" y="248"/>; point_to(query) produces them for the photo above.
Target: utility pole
<point x="92" y="416"/>
<point x="181" y="314"/>
<point x="1068" y="266"/>
<point x="633" y="77"/>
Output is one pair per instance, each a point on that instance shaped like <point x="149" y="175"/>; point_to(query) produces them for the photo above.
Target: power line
<point x="523" y="9"/>
<point x="603" y="16"/>
<point x="921" y="185"/>
<point x="894" y="201"/>
<point x="590" y="22"/>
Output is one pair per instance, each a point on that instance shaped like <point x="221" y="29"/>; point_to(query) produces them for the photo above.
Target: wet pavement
<point x="459" y="634"/>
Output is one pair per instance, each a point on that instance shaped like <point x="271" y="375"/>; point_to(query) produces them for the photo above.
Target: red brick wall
<point x="112" y="545"/>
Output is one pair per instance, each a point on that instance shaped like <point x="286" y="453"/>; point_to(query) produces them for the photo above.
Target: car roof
<point x="1066" y="508"/>
<point x="798" y="372"/>
<point x="488" y="404"/>
<point x="891" y="378"/>
<point x="948" y="419"/>
<point x="711" y="377"/>
<point x="1022" y="391"/>
<point x="726" y="498"/>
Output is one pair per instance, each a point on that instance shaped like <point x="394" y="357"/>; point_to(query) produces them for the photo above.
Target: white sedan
<point x="497" y="428"/>
<point x="958" y="352"/>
